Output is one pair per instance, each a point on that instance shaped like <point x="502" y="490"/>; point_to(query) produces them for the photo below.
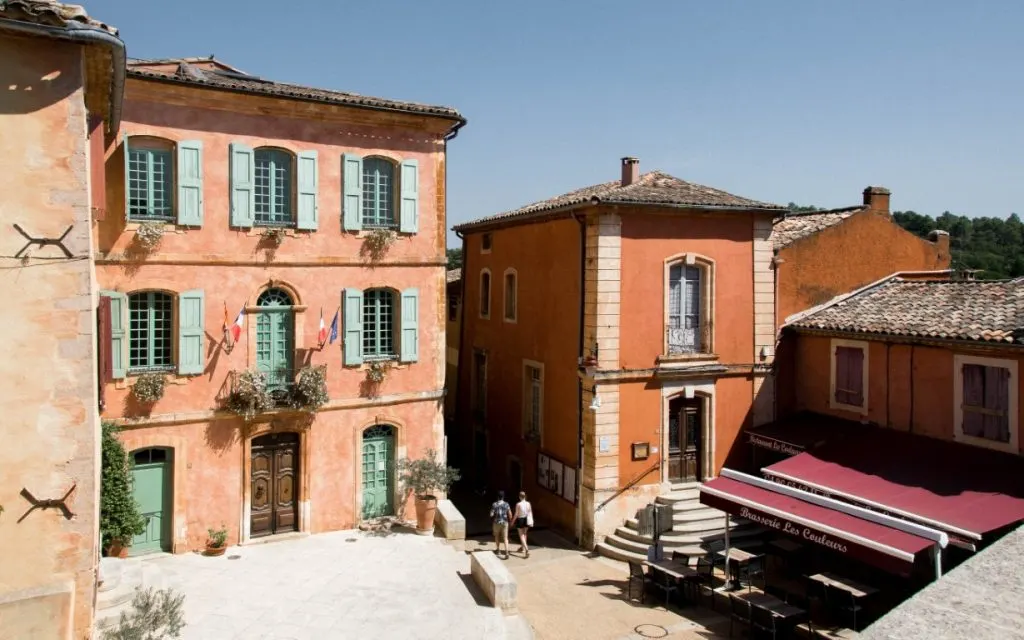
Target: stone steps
<point x="672" y="539"/>
<point x="121" y="580"/>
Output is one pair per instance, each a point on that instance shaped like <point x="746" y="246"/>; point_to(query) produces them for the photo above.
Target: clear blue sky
<point x="799" y="100"/>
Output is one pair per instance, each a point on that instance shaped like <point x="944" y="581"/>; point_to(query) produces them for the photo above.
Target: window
<point x="479" y="395"/>
<point x="453" y="307"/>
<point x="485" y="243"/>
<point x="849" y="376"/>
<point x="378" y="324"/>
<point x="687" y="326"/>
<point x="510" y="295"/>
<point x="533" y="401"/>
<point x="485" y="294"/>
<point x="378" y="197"/>
<point x="273" y="204"/>
<point x="150" y="183"/>
<point x="985" y="399"/>
<point x="150" y="323"/>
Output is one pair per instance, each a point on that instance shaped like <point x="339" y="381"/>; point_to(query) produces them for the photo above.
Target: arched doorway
<point x="378" y="471"/>
<point x="275" y="485"/>
<point x="152" y="482"/>
<point x="275" y="338"/>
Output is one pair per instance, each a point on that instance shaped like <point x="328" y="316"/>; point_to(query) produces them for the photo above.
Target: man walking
<point x="499" y="523"/>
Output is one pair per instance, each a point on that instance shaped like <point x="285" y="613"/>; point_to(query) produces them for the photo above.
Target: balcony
<point x="249" y="392"/>
<point x="683" y="345"/>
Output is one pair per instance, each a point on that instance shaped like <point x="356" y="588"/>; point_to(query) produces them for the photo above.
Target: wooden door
<point x="378" y="471"/>
<point x="684" y="439"/>
<point x="151" y="484"/>
<point x="273" y="499"/>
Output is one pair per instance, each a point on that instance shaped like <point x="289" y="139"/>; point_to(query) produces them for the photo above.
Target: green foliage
<point x="119" y="513"/>
<point x="993" y="245"/>
<point x="217" y="538"/>
<point x="149" y="235"/>
<point x="378" y="370"/>
<point x="454" y="258"/>
<point x="154" y="615"/>
<point x="796" y="208"/>
<point x="425" y="476"/>
<point x="249" y="395"/>
<point x="377" y="243"/>
<point x="310" y="391"/>
<point x="149" y="387"/>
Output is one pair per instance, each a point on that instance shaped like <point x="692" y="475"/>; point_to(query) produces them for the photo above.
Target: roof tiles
<point x="795" y="226"/>
<point x="50" y="13"/>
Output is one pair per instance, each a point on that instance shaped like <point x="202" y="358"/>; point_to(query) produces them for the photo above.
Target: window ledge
<point x="683" y="359"/>
<point x="852" y="408"/>
<point x="172" y="376"/>
<point x="170" y="226"/>
<point x="258" y="230"/>
<point x="1007" y="447"/>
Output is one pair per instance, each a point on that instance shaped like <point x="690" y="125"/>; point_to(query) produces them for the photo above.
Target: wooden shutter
<point x="409" y="349"/>
<point x="307" y="181"/>
<point x="842" y="375"/>
<point x="352" y="303"/>
<point x="190" y="183"/>
<point x="409" y="214"/>
<point x="855" y="376"/>
<point x="352" y="192"/>
<point x="973" y="400"/>
<point x="118" y="335"/>
<point x="997" y="404"/>
<point x="105" y="372"/>
<point x="243" y="179"/>
<point x="127" y="181"/>
<point x="191" y="333"/>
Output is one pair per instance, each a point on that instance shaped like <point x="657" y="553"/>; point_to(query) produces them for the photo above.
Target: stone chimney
<point x="941" y="240"/>
<point x="877" y="199"/>
<point x="630" y="171"/>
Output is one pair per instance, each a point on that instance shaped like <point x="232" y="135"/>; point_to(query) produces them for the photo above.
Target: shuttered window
<point x="273" y="188"/>
<point x="849" y="376"/>
<point x="533" y="389"/>
<point x="485" y="294"/>
<point x="150" y="184"/>
<point x="684" y="312"/>
<point x="986" y="402"/>
<point x="150" y="325"/>
<point x="378" y="324"/>
<point x="511" y="293"/>
<point x="378" y="194"/>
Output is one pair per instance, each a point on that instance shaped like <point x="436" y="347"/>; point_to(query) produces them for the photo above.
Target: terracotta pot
<point x="117" y="549"/>
<point x="426" y="506"/>
<point x="215" y="551"/>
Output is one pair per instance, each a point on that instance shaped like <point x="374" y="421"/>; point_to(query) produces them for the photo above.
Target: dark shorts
<point x="521" y="523"/>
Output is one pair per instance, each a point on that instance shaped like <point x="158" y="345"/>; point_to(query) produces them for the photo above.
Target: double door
<point x="685" y="426"/>
<point x="274" y="490"/>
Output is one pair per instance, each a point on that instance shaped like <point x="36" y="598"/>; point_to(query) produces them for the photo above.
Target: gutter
<point x="87" y="35"/>
<point x="452" y="133"/>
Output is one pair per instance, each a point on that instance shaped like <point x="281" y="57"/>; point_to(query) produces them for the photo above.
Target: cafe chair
<point x="751" y="570"/>
<point x="665" y="584"/>
<point x="739" y="610"/>
<point x="845" y="604"/>
<point x="636" y="573"/>
<point x="764" y="621"/>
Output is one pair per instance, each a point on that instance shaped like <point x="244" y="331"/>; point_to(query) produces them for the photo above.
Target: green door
<point x="151" y="484"/>
<point x="274" y="338"/>
<point x="378" y="471"/>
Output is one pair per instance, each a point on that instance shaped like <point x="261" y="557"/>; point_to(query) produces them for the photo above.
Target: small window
<point x="378" y="324"/>
<point x="485" y="294"/>
<point x="453" y="307"/>
<point x="149" y="456"/>
<point x="849" y="376"/>
<point x="273" y="201"/>
<point x="510" y="296"/>
<point x="150" y="184"/>
<point x="533" y="401"/>
<point x="151" y="324"/>
<point x="479" y="381"/>
<point x="986" y="402"/>
<point x="378" y="194"/>
<point x="485" y="243"/>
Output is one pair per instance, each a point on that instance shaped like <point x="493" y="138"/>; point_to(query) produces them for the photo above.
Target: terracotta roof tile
<point x="795" y="226"/>
<point x="189" y="73"/>
<point x="654" y="188"/>
<point x="454" y="275"/>
<point x="50" y="13"/>
<point x="979" y="311"/>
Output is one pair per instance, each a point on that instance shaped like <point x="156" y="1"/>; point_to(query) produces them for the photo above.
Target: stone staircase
<point x="693" y="524"/>
<point x="121" y="579"/>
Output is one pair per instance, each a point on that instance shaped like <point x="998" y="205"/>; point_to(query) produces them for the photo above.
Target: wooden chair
<point x="636" y="572"/>
<point x="763" y="620"/>
<point x="739" y="610"/>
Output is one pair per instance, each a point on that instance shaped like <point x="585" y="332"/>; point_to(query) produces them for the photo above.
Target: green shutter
<point x="352" y="192"/>
<point x="352" y="302"/>
<point x="127" y="180"/>
<point x="409" y="215"/>
<point x="118" y="335"/>
<point x="191" y="333"/>
<point x="243" y="178"/>
<point x="190" y="183"/>
<point x="308" y="178"/>
<point x="409" y="349"/>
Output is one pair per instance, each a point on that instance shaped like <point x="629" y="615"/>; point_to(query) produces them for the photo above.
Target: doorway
<point x="275" y="472"/>
<point x="685" y="426"/>
<point x="151" y="488"/>
<point x="378" y="471"/>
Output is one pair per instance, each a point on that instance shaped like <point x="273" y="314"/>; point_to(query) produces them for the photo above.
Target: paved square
<point x="346" y="584"/>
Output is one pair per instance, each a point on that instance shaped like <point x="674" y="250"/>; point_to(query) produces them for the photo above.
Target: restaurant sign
<point x="800" y="531"/>
<point x="772" y="444"/>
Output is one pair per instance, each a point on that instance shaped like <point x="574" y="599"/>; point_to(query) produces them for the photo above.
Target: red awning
<point x="954" y="487"/>
<point x="877" y="544"/>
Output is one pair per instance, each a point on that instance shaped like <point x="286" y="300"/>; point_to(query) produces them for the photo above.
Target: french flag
<point x="236" y="329"/>
<point x="322" y="335"/>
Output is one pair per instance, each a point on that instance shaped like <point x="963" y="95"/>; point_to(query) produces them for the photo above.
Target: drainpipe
<point x="462" y="342"/>
<point x="84" y="34"/>
<point x="579" y="386"/>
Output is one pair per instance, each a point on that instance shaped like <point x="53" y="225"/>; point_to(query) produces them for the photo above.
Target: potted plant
<point x="149" y="235"/>
<point x="149" y="387"/>
<point x="377" y="242"/>
<point x="377" y="371"/>
<point x="423" y="478"/>
<point x="310" y="391"/>
<point x="216" y="541"/>
<point x="249" y="395"/>
<point x="273" y="236"/>
<point x="120" y="519"/>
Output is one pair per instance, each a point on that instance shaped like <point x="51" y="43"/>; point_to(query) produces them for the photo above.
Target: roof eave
<point x="897" y="338"/>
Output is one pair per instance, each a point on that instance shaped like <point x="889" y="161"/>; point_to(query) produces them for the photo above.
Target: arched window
<point x="150" y="324"/>
<point x="274" y="176"/>
<point x="150" y="179"/>
<point x="274" y="298"/>
<point x="378" y="324"/>
<point x="275" y="337"/>
<point x="378" y="194"/>
<point x="689" y="300"/>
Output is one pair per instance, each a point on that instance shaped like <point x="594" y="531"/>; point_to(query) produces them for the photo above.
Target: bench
<point x="450" y="521"/>
<point x="494" y="579"/>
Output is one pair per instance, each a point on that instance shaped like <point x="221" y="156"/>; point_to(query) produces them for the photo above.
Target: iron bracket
<point x="44" y="242"/>
<point x="49" y="503"/>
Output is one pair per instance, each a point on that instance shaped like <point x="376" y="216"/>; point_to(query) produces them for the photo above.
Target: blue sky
<point x="798" y="100"/>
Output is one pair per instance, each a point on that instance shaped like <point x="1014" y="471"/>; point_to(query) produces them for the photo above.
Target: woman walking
<point x="523" y="520"/>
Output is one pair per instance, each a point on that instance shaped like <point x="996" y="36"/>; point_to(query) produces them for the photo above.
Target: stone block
<point x="450" y="521"/>
<point x="494" y="579"/>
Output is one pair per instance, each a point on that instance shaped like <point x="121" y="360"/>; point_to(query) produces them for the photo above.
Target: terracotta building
<point x="615" y="341"/>
<point x="288" y="212"/>
<point x="62" y="75"/>
<point x="822" y="254"/>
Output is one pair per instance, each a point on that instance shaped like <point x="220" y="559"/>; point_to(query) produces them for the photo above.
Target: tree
<point x="119" y="513"/>
<point x="454" y="258"/>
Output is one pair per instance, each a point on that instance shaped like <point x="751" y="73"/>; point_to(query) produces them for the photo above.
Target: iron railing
<point x="280" y="382"/>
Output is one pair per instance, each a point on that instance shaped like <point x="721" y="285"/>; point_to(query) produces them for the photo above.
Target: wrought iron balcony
<point x="681" y="341"/>
<point x="278" y="383"/>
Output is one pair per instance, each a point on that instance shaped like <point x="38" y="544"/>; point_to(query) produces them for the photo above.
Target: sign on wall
<point x="557" y="477"/>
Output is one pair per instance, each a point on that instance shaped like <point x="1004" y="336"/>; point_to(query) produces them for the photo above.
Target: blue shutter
<point x="352" y="303"/>
<point x="308" y="180"/>
<point x="191" y="333"/>
<point x="409" y="216"/>
<point x="127" y="180"/>
<point x="118" y="335"/>
<point x="190" y="183"/>
<point x="409" y="350"/>
<point x="243" y="178"/>
<point x="352" y="192"/>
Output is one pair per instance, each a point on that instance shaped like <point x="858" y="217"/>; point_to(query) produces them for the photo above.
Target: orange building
<point x="615" y="340"/>
<point x="822" y="254"/>
<point x="286" y="207"/>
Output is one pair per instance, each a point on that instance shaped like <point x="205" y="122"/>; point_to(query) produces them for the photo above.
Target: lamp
<point x="595" y="404"/>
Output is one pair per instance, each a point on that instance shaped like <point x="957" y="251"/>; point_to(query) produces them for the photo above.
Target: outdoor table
<point x="672" y="569"/>
<point x="854" y="588"/>
<point x="777" y="607"/>
<point x="735" y="559"/>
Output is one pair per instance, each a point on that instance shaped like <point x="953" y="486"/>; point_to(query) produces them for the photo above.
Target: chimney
<point x="630" y="171"/>
<point x="877" y="199"/>
<point x="941" y="240"/>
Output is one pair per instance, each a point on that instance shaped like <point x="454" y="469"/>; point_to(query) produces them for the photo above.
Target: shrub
<point x="154" y="615"/>
<point x="217" y="538"/>
<point x="249" y="395"/>
<point x="425" y="476"/>
<point x="119" y="513"/>
<point x="310" y="391"/>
